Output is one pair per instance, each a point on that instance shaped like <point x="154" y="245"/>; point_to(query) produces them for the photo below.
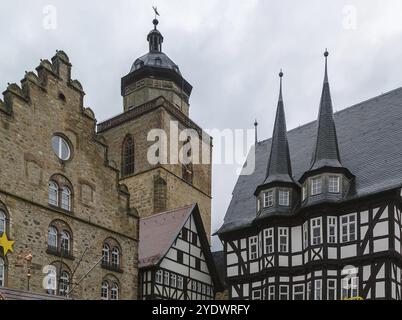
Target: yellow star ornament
<point x="6" y="244"/>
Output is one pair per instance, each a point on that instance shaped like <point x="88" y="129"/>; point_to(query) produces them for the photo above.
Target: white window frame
<point x="283" y="233"/>
<point x="173" y="279"/>
<point x="331" y="287"/>
<point x="166" y="278"/>
<point x="114" y="291"/>
<point x="104" y="289"/>
<point x="334" y="187"/>
<point x="268" y="199"/>
<point x="2" y="272"/>
<point x="106" y="253"/>
<point x="159" y="277"/>
<point x="256" y="294"/>
<point x="269" y="235"/>
<point x="316" y="223"/>
<point x="304" y="192"/>
<point x="352" y="284"/>
<point x="64" y="283"/>
<point x="59" y="152"/>
<point x="53" y="197"/>
<point x="316" y="186"/>
<point x="66" y="198"/>
<point x="65" y="242"/>
<point x="281" y="294"/>
<point x="115" y="257"/>
<point x="180" y="282"/>
<point x="348" y="224"/>
<point x="253" y="243"/>
<point x="52" y="232"/>
<point x="3" y="224"/>
<point x="271" y="292"/>
<point x="300" y="285"/>
<point x="258" y="205"/>
<point x="284" y="196"/>
<point x="318" y="289"/>
<point x="305" y="235"/>
<point x="332" y="223"/>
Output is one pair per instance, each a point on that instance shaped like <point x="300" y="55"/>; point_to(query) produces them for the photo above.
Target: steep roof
<point x="369" y="139"/>
<point x="326" y="151"/>
<point x="158" y="232"/>
<point x="279" y="166"/>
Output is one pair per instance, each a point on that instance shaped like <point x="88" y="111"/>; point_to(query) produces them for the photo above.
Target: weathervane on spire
<point x="156" y="11"/>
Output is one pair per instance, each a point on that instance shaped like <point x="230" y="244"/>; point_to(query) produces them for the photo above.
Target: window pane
<point x="53" y="193"/>
<point x="2" y="222"/>
<point x="52" y="238"/>
<point x="65" y="242"/>
<point x="105" y="290"/>
<point x="66" y="199"/>
<point x="2" y="272"/>
<point x="61" y="148"/>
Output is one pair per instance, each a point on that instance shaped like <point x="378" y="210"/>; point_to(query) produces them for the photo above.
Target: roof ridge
<point x="340" y="111"/>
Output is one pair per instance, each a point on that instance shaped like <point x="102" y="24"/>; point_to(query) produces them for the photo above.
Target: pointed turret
<point x="279" y="166"/>
<point x="326" y="152"/>
<point x="327" y="180"/>
<point x="278" y="193"/>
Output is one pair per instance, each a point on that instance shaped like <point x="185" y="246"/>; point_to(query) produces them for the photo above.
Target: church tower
<point x="153" y="75"/>
<point x="156" y="99"/>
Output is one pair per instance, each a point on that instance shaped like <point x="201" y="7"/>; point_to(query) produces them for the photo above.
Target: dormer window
<point x="284" y="197"/>
<point x="268" y="199"/>
<point x="316" y="186"/>
<point x="334" y="184"/>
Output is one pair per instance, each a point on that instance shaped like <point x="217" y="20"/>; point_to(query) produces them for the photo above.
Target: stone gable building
<point x="72" y="191"/>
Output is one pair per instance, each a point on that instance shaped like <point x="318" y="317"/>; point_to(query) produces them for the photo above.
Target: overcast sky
<point x="229" y="50"/>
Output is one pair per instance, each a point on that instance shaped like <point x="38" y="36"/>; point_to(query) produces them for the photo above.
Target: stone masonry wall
<point x="48" y="103"/>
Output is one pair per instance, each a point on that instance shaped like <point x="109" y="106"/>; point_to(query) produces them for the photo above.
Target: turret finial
<point x="256" y="131"/>
<point x="280" y="86"/>
<point x="326" y="54"/>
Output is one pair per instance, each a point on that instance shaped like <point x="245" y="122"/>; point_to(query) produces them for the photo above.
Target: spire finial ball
<point x="281" y="74"/>
<point x="155" y="22"/>
<point x="326" y="53"/>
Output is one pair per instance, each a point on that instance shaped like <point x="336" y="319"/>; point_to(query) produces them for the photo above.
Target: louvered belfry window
<point x="160" y="187"/>
<point x="128" y="156"/>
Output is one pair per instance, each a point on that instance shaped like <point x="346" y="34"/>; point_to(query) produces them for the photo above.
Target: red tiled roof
<point x="158" y="232"/>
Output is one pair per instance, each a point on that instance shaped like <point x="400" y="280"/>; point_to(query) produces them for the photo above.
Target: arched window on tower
<point x="128" y="156"/>
<point x="160" y="188"/>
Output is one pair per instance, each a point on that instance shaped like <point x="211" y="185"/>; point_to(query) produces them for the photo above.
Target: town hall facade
<point x="320" y="218"/>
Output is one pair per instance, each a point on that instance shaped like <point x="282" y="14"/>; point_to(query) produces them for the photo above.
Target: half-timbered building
<point x="320" y="218"/>
<point x="175" y="258"/>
